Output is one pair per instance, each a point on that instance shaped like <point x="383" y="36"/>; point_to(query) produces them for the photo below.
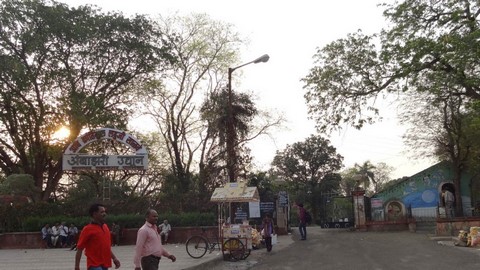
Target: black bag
<point x="308" y="217"/>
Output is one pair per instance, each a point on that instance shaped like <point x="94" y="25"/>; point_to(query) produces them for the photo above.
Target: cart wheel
<point x="196" y="246"/>
<point x="246" y="254"/>
<point x="235" y="249"/>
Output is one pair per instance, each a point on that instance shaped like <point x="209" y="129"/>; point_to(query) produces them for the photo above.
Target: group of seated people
<point x="59" y="235"/>
<point x="62" y="236"/>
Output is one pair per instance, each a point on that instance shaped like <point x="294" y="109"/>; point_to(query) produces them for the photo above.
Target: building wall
<point x="421" y="192"/>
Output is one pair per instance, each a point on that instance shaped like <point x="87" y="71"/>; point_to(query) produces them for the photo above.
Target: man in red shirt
<point x="149" y="249"/>
<point x="95" y="239"/>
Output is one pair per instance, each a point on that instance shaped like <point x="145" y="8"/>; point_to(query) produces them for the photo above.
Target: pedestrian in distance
<point x="95" y="240"/>
<point x="72" y="236"/>
<point x="449" y="200"/>
<point x="115" y="234"/>
<point x="149" y="249"/>
<point x="302" y="221"/>
<point x="268" y="231"/>
<point x="165" y="229"/>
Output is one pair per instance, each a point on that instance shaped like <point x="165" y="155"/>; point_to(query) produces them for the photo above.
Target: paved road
<point x="324" y="249"/>
<point x="346" y="250"/>
<point x="63" y="259"/>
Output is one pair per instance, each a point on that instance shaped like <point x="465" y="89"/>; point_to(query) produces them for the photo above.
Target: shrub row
<point x="32" y="224"/>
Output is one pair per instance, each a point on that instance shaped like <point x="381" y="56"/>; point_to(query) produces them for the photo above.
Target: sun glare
<point x="61" y="134"/>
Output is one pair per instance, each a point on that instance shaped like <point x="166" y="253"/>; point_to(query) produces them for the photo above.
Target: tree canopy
<point x="63" y="66"/>
<point x="429" y="46"/>
<point x="307" y="162"/>
<point x="311" y="168"/>
<point x="430" y="49"/>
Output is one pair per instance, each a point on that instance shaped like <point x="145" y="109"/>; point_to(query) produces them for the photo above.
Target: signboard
<point x="282" y="198"/>
<point x="241" y="215"/>
<point x="376" y="203"/>
<point x="104" y="162"/>
<point x="267" y="207"/>
<point x="254" y="209"/>
<point x="74" y="159"/>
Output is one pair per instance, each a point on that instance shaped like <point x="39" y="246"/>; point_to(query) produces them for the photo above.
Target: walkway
<point x="62" y="259"/>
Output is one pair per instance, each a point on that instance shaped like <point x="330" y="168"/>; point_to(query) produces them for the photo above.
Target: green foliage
<point x="310" y="168"/>
<point x="33" y="224"/>
<point x="14" y="217"/>
<point x="472" y="133"/>
<point x="429" y="46"/>
<point x="70" y="67"/>
<point x="264" y="184"/>
<point x="194" y="219"/>
<point x="18" y="184"/>
<point x="307" y="162"/>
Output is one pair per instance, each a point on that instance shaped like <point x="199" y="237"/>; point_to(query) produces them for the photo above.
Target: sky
<point x="290" y="32"/>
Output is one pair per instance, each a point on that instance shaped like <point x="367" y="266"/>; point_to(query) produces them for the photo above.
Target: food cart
<point x="236" y="239"/>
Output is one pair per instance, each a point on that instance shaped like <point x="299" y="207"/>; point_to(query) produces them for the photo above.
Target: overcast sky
<point x="290" y="32"/>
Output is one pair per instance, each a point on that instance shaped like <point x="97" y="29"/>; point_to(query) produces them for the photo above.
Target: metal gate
<point x="337" y="211"/>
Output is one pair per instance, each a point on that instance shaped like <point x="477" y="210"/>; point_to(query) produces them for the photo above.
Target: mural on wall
<point x="421" y="191"/>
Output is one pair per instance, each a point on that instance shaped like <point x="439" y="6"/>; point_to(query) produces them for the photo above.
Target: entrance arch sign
<point x="74" y="160"/>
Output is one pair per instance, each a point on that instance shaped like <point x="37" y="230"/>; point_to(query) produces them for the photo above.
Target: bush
<point x="31" y="217"/>
<point x="33" y="224"/>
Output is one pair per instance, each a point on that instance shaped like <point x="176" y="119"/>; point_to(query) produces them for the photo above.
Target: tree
<point x="310" y="167"/>
<point x="349" y="181"/>
<point x="472" y="131"/>
<point x="70" y="67"/>
<point x="441" y="125"/>
<point x="244" y="111"/>
<point x="365" y="174"/>
<point x="18" y="184"/>
<point x="264" y="182"/>
<point x="382" y="173"/>
<point x="204" y="48"/>
<point x="188" y="103"/>
<point x="431" y="46"/>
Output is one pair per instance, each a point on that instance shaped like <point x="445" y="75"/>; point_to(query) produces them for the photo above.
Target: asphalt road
<point x="346" y="250"/>
<point x="324" y="249"/>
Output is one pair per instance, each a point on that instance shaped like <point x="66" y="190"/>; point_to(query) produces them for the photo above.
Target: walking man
<point x="149" y="249"/>
<point x="268" y="231"/>
<point x="302" y="226"/>
<point x="115" y="234"/>
<point x="95" y="240"/>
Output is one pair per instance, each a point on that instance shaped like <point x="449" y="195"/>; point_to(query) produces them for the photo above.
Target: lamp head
<point x="264" y="58"/>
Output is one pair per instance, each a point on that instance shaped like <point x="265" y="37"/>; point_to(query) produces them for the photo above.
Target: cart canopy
<point x="235" y="192"/>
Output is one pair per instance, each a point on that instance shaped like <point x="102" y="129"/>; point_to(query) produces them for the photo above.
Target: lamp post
<point x="231" y="135"/>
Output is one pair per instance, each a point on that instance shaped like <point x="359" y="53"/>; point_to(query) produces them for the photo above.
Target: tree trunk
<point x="458" y="196"/>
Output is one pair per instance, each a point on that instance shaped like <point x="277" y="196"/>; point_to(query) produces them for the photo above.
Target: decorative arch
<point x="74" y="160"/>
<point x="445" y="185"/>
<point x="395" y="210"/>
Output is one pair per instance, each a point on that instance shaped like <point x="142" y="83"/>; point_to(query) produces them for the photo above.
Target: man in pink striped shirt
<point x="149" y="249"/>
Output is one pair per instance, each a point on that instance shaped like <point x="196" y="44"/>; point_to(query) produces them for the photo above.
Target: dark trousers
<point x="268" y="243"/>
<point x="63" y="240"/>
<point x="150" y="262"/>
<point x="48" y="242"/>
<point x="302" y="227"/>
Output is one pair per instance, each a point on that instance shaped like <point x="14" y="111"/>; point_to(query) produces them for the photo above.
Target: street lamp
<point x="231" y="155"/>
